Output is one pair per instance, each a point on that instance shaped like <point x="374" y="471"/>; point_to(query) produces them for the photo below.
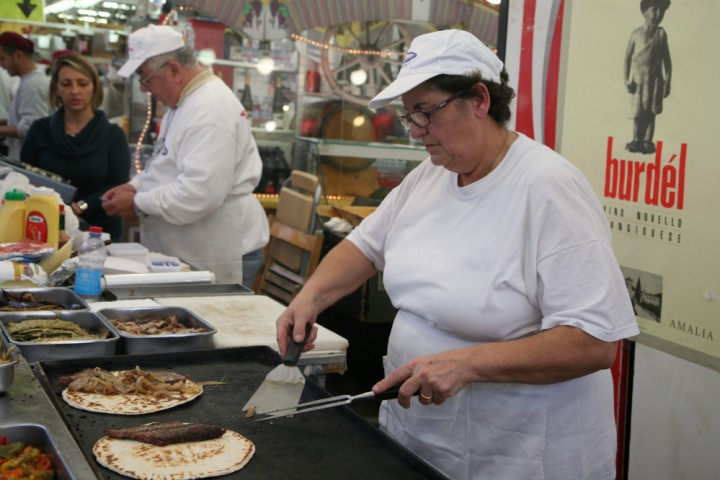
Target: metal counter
<point x="27" y="403"/>
<point x="241" y="320"/>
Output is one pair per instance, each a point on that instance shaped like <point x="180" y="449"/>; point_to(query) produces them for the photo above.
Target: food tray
<point x="65" y="298"/>
<point x="171" y="342"/>
<point x="7" y="370"/>
<point x="34" y="352"/>
<point x="38" y="436"/>
<point x="121" y="292"/>
<point x="332" y="443"/>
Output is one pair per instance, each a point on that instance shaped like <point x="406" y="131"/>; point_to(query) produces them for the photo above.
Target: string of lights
<point x="148" y="112"/>
<point x="349" y="51"/>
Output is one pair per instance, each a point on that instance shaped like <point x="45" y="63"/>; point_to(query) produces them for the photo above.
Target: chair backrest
<point x="294" y="248"/>
<point x="278" y="281"/>
<point x="297" y="201"/>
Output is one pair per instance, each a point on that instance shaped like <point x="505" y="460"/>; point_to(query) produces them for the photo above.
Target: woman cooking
<point x="497" y="255"/>
<point x="79" y="143"/>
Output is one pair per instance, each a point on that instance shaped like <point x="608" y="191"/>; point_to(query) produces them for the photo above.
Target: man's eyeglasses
<point x="145" y="81"/>
<point x="422" y="119"/>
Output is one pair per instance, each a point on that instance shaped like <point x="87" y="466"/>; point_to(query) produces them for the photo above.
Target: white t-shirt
<point x="524" y="249"/>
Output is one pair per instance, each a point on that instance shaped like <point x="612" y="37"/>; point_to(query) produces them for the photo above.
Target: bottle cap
<point x="95" y="229"/>
<point x="14" y="194"/>
<point x="42" y="191"/>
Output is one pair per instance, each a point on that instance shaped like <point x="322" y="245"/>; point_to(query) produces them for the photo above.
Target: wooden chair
<point x="294" y="248"/>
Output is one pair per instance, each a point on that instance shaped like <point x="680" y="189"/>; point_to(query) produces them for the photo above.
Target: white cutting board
<point x="247" y="320"/>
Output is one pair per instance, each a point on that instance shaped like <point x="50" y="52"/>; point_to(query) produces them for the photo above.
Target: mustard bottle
<point x="42" y="216"/>
<point x="12" y="217"/>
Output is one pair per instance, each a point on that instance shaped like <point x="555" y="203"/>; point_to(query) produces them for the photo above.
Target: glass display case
<point x="358" y="173"/>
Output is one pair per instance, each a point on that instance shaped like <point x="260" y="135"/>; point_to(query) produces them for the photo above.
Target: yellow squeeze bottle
<point x="42" y="216"/>
<point x="12" y="217"/>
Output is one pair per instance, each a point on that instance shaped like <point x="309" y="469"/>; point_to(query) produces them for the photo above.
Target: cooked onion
<point x="133" y="381"/>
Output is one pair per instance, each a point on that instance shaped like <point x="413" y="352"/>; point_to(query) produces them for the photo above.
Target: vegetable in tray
<point x="19" y="461"/>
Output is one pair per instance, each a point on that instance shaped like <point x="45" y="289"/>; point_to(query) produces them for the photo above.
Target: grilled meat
<point x="167" y="433"/>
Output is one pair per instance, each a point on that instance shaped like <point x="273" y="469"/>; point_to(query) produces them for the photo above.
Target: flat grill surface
<point x="329" y="444"/>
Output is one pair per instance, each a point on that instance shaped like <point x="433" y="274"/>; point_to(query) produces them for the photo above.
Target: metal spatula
<point x="331" y="402"/>
<point x="283" y="386"/>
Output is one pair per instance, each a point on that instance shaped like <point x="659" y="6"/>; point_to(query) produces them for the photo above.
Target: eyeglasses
<point x="422" y="119"/>
<point x="146" y="81"/>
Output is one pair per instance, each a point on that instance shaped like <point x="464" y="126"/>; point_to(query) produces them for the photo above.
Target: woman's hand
<point x="437" y="377"/>
<point x="291" y="324"/>
<point x="555" y="355"/>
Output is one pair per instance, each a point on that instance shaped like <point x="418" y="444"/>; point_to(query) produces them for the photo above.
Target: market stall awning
<point x="301" y="15"/>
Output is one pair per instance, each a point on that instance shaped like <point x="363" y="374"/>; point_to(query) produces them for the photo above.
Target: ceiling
<point x="476" y="16"/>
<point x="94" y="12"/>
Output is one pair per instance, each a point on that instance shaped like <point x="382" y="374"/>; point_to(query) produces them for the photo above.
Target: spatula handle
<point x="295" y="348"/>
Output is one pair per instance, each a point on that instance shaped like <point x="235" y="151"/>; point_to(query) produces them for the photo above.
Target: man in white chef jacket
<point x="194" y="199"/>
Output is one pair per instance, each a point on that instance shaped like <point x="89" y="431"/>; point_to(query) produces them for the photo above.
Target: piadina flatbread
<point x="131" y="403"/>
<point x="208" y="458"/>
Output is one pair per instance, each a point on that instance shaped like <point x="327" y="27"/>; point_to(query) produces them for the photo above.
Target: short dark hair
<point x="76" y="62"/>
<point x="661" y="4"/>
<point x="501" y="94"/>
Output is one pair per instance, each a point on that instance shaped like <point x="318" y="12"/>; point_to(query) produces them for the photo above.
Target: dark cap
<point x="59" y="53"/>
<point x="17" y="41"/>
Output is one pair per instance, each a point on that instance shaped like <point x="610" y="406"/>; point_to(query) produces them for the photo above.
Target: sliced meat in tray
<point x="333" y="443"/>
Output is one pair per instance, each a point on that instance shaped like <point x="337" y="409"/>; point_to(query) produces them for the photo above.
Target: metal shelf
<point x="367" y="149"/>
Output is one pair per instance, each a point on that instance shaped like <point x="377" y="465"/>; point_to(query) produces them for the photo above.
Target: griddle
<point x="329" y="444"/>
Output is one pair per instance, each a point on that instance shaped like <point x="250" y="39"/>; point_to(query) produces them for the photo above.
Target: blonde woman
<point x="78" y="143"/>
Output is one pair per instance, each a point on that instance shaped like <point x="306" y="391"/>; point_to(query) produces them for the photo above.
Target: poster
<point x="638" y="108"/>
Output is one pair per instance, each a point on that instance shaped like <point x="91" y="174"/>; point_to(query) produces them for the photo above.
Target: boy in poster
<point x="648" y="70"/>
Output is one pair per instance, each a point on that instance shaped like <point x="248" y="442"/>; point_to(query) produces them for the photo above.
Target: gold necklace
<point x="461" y="178"/>
<point x="492" y="165"/>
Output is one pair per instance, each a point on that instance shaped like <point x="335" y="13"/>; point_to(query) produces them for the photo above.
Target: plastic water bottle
<point x="91" y="265"/>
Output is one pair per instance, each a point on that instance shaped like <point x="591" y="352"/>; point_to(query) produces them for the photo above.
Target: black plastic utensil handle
<point x="391" y="393"/>
<point x="292" y="356"/>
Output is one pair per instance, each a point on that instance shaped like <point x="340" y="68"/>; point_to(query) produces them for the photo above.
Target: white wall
<point x="675" y="419"/>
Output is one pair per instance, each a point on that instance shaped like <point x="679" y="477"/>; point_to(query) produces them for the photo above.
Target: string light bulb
<point x="148" y="114"/>
<point x="349" y="51"/>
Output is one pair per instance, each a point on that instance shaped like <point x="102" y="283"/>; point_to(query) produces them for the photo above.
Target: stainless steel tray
<point x="7" y="370"/>
<point x="64" y="298"/>
<point x="178" y="290"/>
<point x="27" y="403"/>
<point x="171" y="342"/>
<point x="34" y="352"/>
<point x="38" y="436"/>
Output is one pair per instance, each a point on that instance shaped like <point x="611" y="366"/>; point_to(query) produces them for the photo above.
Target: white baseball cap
<point x="450" y="52"/>
<point x="149" y="42"/>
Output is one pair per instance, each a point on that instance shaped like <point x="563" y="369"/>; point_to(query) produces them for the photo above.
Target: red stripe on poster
<point x="524" y="115"/>
<point x="551" y="81"/>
